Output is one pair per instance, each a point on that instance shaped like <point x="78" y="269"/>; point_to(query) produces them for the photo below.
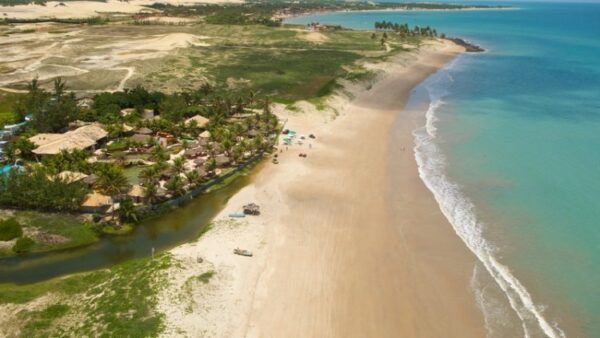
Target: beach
<point x="349" y="242"/>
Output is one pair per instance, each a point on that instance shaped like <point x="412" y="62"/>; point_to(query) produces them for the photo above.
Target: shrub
<point x="10" y="229"/>
<point x="23" y="245"/>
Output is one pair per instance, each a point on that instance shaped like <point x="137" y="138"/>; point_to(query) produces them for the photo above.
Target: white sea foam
<point x="460" y="211"/>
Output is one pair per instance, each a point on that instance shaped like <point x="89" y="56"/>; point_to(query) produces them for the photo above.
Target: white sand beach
<point x="336" y="254"/>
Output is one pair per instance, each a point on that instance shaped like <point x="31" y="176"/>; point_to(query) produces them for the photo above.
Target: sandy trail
<point x="350" y="243"/>
<point x="130" y="72"/>
<point x="114" y="56"/>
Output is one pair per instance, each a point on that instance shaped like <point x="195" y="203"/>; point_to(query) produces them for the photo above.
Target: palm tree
<point x="159" y="153"/>
<point x="192" y="177"/>
<point x="113" y="182"/>
<point x="149" y="176"/>
<point x="175" y="185"/>
<point x="59" y="87"/>
<point x="128" y="211"/>
<point x="151" y="193"/>
<point x="179" y="165"/>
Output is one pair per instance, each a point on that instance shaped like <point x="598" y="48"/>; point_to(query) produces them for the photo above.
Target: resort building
<point x="85" y="137"/>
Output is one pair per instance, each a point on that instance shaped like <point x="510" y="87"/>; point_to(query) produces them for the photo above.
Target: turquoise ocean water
<point x="511" y="150"/>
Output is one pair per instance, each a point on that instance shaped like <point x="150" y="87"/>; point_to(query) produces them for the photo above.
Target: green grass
<point x="125" y="229"/>
<point x="205" y="277"/>
<point x="7" y="104"/>
<point x="74" y="232"/>
<point x="287" y="75"/>
<point x="115" y="302"/>
<point x="40" y="322"/>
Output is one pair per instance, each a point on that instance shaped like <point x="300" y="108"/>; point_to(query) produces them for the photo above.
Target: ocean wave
<point x="460" y="212"/>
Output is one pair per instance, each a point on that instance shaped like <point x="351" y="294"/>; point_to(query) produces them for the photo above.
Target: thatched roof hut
<point x="141" y="138"/>
<point x="200" y="120"/>
<point x="222" y="160"/>
<point x="137" y="193"/>
<point x="204" y="135"/>
<point x="201" y="171"/>
<point x="144" y="131"/>
<point x="96" y="202"/>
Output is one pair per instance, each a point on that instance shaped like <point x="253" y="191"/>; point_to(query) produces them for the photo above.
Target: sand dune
<point x="84" y="9"/>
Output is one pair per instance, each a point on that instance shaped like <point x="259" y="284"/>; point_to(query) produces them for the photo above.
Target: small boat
<point x="242" y="252"/>
<point x="237" y="215"/>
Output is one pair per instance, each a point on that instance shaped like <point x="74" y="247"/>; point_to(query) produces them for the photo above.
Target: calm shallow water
<point x="512" y="152"/>
<point x="161" y="233"/>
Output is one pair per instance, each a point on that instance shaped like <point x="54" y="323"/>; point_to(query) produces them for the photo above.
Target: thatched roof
<point x="137" y="191"/>
<point x="80" y="138"/>
<point x="96" y="199"/>
<point x="201" y="121"/>
<point x="141" y="138"/>
<point x="144" y="131"/>
<point x="71" y="176"/>
<point x="77" y="124"/>
<point x="222" y="160"/>
<point x="201" y="171"/>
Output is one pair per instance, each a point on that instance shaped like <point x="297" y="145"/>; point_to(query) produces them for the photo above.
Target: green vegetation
<point x="41" y="321"/>
<point x="403" y="30"/>
<point x="237" y="133"/>
<point x="116" y="302"/>
<point x="205" y="277"/>
<point x="10" y="229"/>
<point x="23" y="245"/>
<point x="97" y="20"/>
<point x="7" y="103"/>
<point x="50" y="231"/>
<point x="34" y="189"/>
<point x="265" y="12"/>
<point x="290" y="75"/>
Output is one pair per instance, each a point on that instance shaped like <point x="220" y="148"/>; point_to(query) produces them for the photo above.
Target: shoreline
<point x="340" y="248"/>
<point x="318" y="12"/>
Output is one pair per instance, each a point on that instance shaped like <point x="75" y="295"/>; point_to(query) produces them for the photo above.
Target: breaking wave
<point x="460" y="211"/>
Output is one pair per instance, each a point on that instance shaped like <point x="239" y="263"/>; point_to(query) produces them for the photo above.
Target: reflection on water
<point x="161" y="233"/>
